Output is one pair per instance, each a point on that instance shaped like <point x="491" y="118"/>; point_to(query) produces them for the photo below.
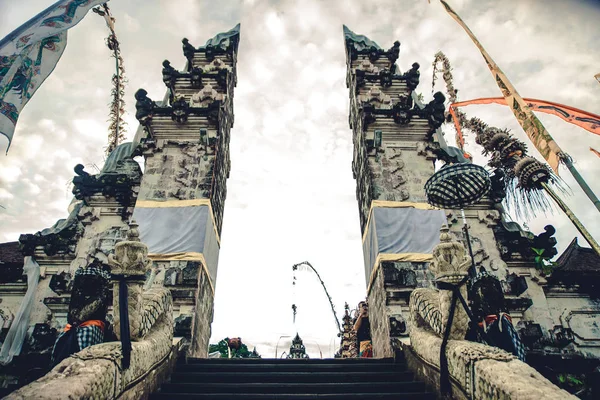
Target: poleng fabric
<point x="76" y="338"/>
<point x="501" y="333"/>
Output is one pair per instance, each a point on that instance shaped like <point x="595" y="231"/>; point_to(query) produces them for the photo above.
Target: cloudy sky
<point x="291" y="192"/>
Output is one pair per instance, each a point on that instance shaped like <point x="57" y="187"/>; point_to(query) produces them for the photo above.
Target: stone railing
<point x="475" y="370"/>
<point x="98" y="372"/>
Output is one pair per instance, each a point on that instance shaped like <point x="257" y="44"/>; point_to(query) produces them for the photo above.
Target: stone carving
<point x="394" y="52"/>
<point x="131" y="261"/>
<point x="90" y="294"/>
<point x="431" y="307"/>
<point x="482" y="371"/>
<point x="412" y="76"/>
<point x="188" y="52"/>
<point x="169" y="76"/>
<point x="297" y="350"/>
<point x="376" y="98"/>
<point x="95" y="372"/>
<point x="216" y="65"/>
<point x="205" y="97"/>
<point x="117" y="178"/>
<point x="397" y="325"/>
<point x="180" y="110"/>
<point x="348" y="345"/>
<point x="144" y="107"/>
<point x="60" y="238"/>
<point x="367" y="66"/>
<point x="388" y="175"/>
<point x="196" y="77"/>
<point x="435" y="111"/>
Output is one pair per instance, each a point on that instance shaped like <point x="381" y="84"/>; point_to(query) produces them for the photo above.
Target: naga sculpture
<point x="431" y="307"/>
<point x="478" y="371"/>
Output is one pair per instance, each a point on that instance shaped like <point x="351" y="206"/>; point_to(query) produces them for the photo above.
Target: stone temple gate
<point x="178" y="203"/>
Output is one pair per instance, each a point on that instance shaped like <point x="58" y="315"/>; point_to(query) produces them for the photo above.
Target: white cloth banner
<point x="398" y="230"/>
<point x="18" y="329"/>
<point x="30" y="53"/>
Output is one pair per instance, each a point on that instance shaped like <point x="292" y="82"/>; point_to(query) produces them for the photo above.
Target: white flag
<point x="30" y="53"/>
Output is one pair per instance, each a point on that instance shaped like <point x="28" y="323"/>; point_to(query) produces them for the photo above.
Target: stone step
<point x="283" y="377"/>
<point x="291" y="367"/>
<point x="286" y="361"/>
<point x="305" y="388"/>
<point x="297" y="396"/>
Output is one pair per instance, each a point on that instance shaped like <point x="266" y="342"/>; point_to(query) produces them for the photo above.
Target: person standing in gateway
<point x="363" y="331"/>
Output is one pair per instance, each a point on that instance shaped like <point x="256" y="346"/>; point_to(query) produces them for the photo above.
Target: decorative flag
<point x="583" y="119"/>
<point x="528" y="121"/>
<point x="30" y="53"/>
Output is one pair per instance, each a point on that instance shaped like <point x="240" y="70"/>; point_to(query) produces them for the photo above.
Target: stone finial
<point x="131" y="255"/>
<point x="450" y="262"/>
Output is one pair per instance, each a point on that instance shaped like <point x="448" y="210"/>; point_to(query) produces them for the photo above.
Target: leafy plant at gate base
<point x="542" y="263"/>
<point x="241" y="352"/>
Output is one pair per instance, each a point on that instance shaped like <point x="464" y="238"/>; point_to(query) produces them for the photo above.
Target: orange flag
<point x="531" y="125"/>
<point x="583" y="119"/>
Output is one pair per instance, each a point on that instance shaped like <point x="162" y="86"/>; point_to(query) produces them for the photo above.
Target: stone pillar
<point x="181" y="201"/>
<point x="393" y="158"/>
<point x="130" y="263"/>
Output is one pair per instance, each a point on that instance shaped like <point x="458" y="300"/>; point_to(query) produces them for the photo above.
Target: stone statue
<point x="196" y="77"/>
<point x="143" y="107"/>
<point x="394" y="52"/>
<point x="436" y="111"/>
<point x="168" y="73"/>
<point x="489" y="310"/>
<point x="86" y="318"/>
<point x="181" y="110"/>
<point x="188" y="52"/>
<point x="412" y="76"/>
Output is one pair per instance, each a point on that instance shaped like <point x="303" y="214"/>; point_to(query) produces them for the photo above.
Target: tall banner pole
<point x="584" y="232"/>
<point x="532" y="126"/>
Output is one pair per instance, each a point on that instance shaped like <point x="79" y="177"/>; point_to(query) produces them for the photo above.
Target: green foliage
<point x="574" y="384"/>
<point x="242" y="352"/>
<point x="542" y="263"/>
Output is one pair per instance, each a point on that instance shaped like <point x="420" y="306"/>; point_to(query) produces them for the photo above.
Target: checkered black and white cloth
<point x="98" y="271"/>
<point x="519" y="349"/>
<point x="89" y="335"/>
<point x="86" y="336"/>
<point x="457" y="185"/>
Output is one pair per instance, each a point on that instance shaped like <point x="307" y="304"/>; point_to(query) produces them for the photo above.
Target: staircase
<point x="254" y="379"/>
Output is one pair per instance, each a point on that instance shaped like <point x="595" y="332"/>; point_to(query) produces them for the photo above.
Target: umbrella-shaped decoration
<point x="456" y="186"/>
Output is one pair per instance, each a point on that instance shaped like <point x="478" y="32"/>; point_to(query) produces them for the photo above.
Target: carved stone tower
<point x="393" y="158"/>
<point x="182" y="194"/>
<point x="396" y="142"/>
